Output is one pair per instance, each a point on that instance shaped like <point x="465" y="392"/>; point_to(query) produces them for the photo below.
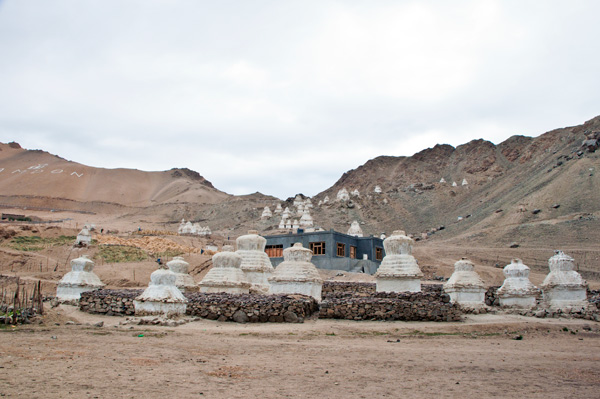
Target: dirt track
<point x="333" y="359"/>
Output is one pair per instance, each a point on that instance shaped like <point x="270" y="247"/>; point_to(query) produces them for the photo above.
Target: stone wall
<point x="109" y="302"/>
<point x="417" y="306"/>
<point x="251" y="307"/>
<point x="341" y="289"/>
<point x="214" y="306"/>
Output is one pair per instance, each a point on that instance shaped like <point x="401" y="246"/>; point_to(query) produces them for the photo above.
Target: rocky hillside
<point x="523" y="189"/>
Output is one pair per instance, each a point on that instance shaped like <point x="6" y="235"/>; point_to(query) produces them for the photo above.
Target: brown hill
<point x="36" y="178"/>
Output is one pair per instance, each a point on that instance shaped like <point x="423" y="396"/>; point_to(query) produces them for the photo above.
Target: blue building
<point x="331" y="250"/>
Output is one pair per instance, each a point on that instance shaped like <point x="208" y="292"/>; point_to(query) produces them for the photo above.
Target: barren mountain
<point x="36" y="178"/>
<point x="541" y="193"/>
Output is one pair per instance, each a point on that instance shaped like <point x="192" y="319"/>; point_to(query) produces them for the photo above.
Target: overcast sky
<point x="283" y="97"/>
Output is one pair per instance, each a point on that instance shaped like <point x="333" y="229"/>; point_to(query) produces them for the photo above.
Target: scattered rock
<point x="514" y="245"/>
<point x="99" y="324"/>
<point x="536" y="211"/>
<point x="240" y="317"/>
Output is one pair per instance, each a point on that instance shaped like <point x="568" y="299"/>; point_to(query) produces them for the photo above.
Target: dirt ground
<point x="480" y="357"/>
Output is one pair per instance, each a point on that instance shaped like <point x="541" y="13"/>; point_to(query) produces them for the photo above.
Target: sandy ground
<point x="319" y="358"/>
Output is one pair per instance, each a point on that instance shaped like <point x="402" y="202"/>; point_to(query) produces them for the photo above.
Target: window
<point x="318" y="248"/>
<point x="274" y="251"/>
<point x="341" y="249"/>
<point x="352" y="252"/>
<point x="378" y="253"/>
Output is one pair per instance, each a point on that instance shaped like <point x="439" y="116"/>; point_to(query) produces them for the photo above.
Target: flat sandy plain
<point x="480" y="357"/>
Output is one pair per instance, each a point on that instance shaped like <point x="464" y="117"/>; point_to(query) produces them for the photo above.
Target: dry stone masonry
<point x="399" y="271"/>
<point x="80" y="279"/>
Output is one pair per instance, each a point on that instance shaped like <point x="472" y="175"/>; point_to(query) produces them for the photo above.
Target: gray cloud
<point x="284" y="98"/>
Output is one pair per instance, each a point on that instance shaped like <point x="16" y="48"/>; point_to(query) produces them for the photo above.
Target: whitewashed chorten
<point x="564" y="288"/>
<point x="465" y="287"/>
<point x="183" y="280"/>
<point x="399" y="271"/>
<point x="517" y="290"/>
<point x="342" y="195"/>
<point x="355" y="230"/>
<point x="162" y="297"/>
<point x="80" y="279"/>
<point x="255" y="264"/>
<point x="296" y="274"/>
<point x="225" y="275"/>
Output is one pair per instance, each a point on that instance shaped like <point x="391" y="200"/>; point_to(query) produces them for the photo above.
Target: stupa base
<point x="469" y="299"/>
<point x="145" y="308"/>
<point x="295" y="287"/>
<point x="399" y="285"/>
<point x="70" y="293"/>
<point x="526" y="302"/>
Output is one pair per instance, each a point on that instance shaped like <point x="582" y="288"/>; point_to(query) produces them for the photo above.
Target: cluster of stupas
<point x="454" y="184"/>
<point x="563" y="288"/>
<point x="193" y="229"/>
<point x="300" y="218"/>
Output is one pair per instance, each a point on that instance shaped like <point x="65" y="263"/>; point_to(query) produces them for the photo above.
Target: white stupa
<point x="382" y="236"/>
<point x="355" y="193"/>
<point x="306" y="221"/>
<point x="326" y="199"/>
<point x="464" y="182"/>
<point x="278" y="209"/>
<point x="266" y="214"/>
<point x="282" y="223"/>
<point x="454" y="184"/>
<point x="442" y="180"/>
<point x="225" y="275"/>
<point x="298" y="200"/>
<point x="80" y="279"/>
<point x="517" y="290"/>
<point x="465" y="287"/>
<point x="564" y="288"/>
<point x="255" y="264"/>
<point x="84" y="237"/>
<point x="181" y="227"/>
<point x="286" y="212"/>
<point x="300" y="209"/>
<point x="183" y="280"/>
<point x="295" y="224"/>
<point x="342" y="195"/>
<point x="377" y="190"/>
<point x="308" y="203"/>
<point x="296" y="274"/>
<point x="399" y="271"/>
<point x="355" y="230"/>
<point x="162" y="297"/>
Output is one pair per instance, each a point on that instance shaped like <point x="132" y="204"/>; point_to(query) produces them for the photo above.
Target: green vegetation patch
<point x="37" y="243"/>
<point x="118" y="254"/>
